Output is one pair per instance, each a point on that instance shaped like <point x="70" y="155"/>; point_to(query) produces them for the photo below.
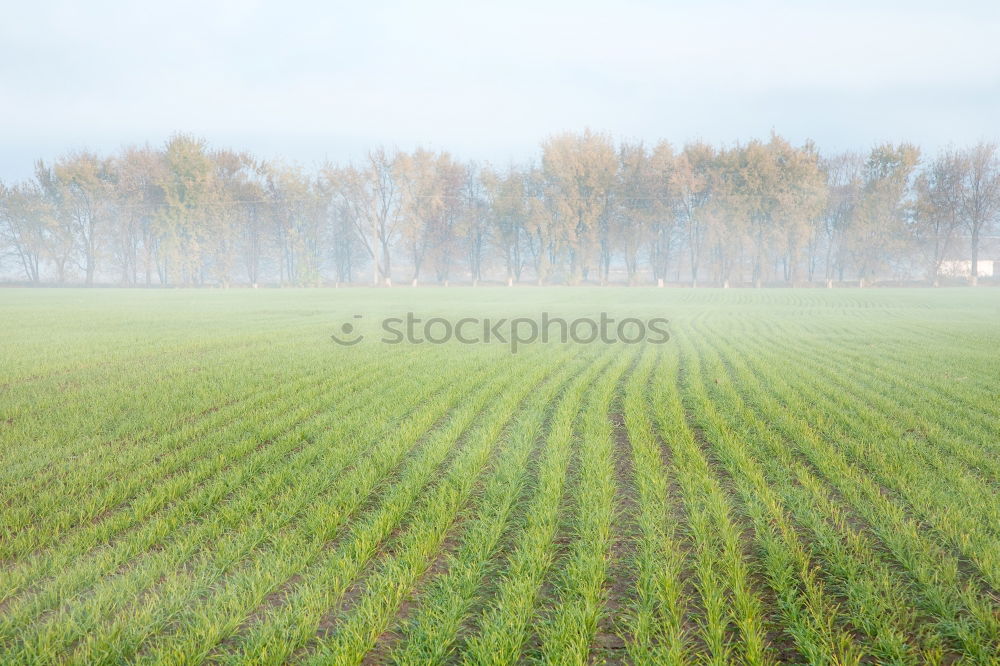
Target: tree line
<point x="590" y="211"/>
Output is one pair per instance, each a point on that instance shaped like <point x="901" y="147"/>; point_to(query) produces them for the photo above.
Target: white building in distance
<point x="958" y="263"/>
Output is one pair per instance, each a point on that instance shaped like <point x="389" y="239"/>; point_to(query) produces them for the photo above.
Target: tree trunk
<point x="974" y="272"/>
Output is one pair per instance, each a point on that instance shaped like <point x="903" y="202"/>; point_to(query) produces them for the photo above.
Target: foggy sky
<point x="310" y="81"/>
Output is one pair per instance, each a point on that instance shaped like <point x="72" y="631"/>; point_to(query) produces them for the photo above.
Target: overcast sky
<point x="309" y="81"/>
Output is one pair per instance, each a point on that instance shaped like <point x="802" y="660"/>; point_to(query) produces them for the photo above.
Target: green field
<point x="796" y="476"/>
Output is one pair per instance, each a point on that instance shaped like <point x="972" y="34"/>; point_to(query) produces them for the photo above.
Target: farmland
<point x="204" y="476"/>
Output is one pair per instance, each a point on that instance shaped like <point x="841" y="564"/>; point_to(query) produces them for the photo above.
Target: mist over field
<point x="440" y="332"/>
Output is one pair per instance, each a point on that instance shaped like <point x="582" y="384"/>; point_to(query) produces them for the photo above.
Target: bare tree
<point x="373" y="195"/>
<point x="844" y="174"/>
<point x="980" y="197"/>
<point x="343" y="241"/>
<point x="138" y="201"/>
<point x="474" y="212"/>
<point x="24" y="216"/>
<point x="937" y="214"/>
<point x="691" y="180"/>
<point x="507" y="207"/>
<point x="633" y="208"/>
